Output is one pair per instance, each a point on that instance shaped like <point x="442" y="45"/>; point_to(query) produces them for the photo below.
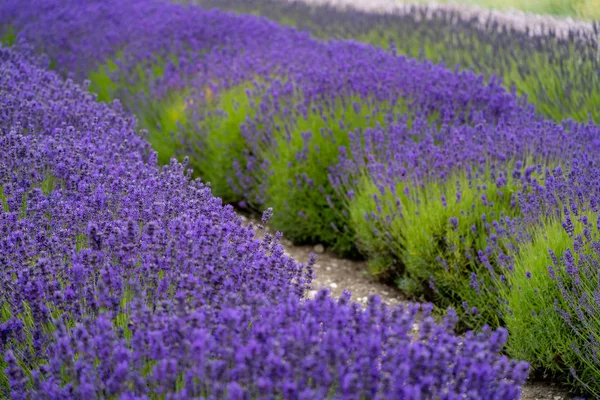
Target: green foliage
<point x="217" y="140"/>
<point x="160" y="117"/>
<point x="558" y="76"/>
<point x="308" y="209"/>
<point x="538" y="291"/>
<point x="48" y="184"/>
<point x="8" y="35"/>
<point x="101" y="82"/>
<point x="3" y="201"/>
<point x="410" y="230"/>
<point x="164" y="119"/>
<point x="537" y="332"/>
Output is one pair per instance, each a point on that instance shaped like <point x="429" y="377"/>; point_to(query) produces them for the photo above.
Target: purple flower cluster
<point x="562" y="214"/>
<point x="291" y="75"/>
<point x="553" y="61"/>
<point x="300" y="350"/>
<point x="121" y="278"/>
<point x="293" y="83"/>
<point x="422" y="153"/>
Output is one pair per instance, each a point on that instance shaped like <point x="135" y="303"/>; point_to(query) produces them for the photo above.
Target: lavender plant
<point x="551" y="289"/>
<point x="293" y="137"/>
<point x="121" y="278"/>
<point x="309" y="87"/>
<point x="436" y="237"/>
<point x="97" y="235"/>
<point x="558" y="72"/>
<point x="424" y="200"/>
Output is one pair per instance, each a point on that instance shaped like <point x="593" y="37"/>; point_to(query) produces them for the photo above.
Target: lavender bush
<point x="125" y="279"/>
<point x="425" y="212"/>
<point x="273" y="145"/>
<point x="433" y="174"/>
<point x="554" y="64"/>
<point x="551" y="292"/>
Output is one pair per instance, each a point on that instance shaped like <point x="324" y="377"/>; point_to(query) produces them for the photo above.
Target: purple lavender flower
<point x="159" y="289"/>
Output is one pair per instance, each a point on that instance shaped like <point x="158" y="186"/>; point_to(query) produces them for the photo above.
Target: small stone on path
<point x="319" y="249"/>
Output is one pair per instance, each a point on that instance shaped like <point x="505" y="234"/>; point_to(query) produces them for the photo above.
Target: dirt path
<point x="338" y="274"/>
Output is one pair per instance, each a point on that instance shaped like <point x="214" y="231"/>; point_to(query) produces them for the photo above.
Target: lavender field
<point x="458" y="157"/>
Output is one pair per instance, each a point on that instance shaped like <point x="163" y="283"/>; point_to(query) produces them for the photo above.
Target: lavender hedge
<point x="551" y="293"/>
<point x="427" y="213"/>
<point x="243" y="100"/>
<point x="125" y="279"/>
<point x="554" y="64"/>
<point x="434" y="175"/>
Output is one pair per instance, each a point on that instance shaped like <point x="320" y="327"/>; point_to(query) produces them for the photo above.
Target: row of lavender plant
<point x="554" y="63"/>
<point x="241" y="99"/>
<point x="124" y="279"/>
<point x="427" y="172"/>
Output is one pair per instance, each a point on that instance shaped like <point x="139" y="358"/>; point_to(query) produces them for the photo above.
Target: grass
<point x="582" y="9"/>
<point x="159" y="116"/>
